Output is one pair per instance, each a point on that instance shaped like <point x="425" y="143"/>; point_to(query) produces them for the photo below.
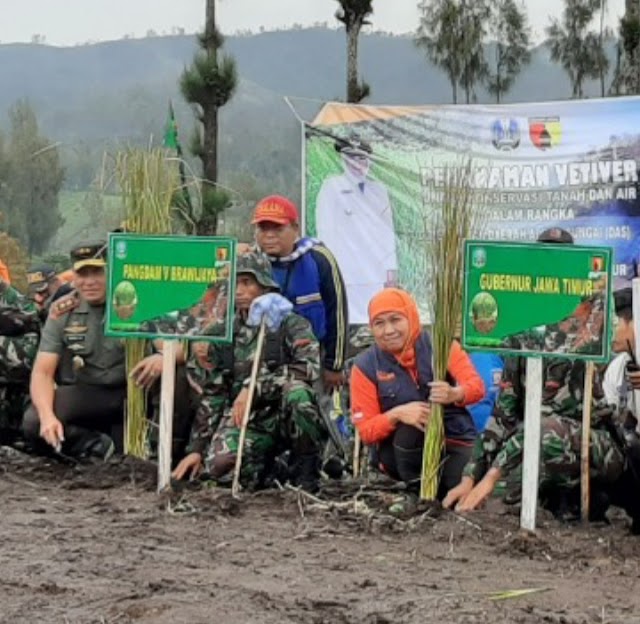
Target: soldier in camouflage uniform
<point x="498" y="450"/>
<point x="284" y="413"/>
<point x="19" y="336"/>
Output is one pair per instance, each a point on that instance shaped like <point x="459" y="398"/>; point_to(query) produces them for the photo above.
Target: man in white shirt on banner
<point x="354" y="219"/>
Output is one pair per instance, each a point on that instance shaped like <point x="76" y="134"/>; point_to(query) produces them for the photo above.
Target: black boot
<point x="306" y="472"/>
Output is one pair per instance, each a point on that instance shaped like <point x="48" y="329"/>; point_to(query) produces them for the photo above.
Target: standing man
<point x="284" y="412"/>
<point x="78" y="385"/>
<point x="354" y="218"/>
<point x="45" y="287"/>
<point x="309" y="277"/>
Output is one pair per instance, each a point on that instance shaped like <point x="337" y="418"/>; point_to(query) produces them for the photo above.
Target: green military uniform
<point x="501" y="444"/>
<point x="284" y="414"/>
<point x="91" y="375"/>
<point x="19" y="336"/>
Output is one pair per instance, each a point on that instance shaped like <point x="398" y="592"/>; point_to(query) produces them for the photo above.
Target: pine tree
<point x="208" y="85"/>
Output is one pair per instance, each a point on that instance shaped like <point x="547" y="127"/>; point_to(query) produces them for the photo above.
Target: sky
<point x="70" y="22"/>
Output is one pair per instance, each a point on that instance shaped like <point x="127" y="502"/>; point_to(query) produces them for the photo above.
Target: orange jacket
<point x="374" y="426"/>
<point x="4" y="273"/>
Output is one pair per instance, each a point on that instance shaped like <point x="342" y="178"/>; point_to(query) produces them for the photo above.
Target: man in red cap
<point x="308" y="275"/>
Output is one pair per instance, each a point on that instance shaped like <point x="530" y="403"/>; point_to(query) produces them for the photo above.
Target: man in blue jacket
<point x="308" y="275"/>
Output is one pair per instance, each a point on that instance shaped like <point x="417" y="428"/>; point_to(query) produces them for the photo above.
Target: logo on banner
<point x="545" y="132"/>
<point x="505" y="134"/>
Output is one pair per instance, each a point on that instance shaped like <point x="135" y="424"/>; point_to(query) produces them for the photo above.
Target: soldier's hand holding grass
<point x="189" y="466"/>
<point x="415" y="414"/>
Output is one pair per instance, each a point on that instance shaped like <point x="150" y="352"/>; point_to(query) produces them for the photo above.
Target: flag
<point x="171" y="132"/>
<point x="172" y="142"/>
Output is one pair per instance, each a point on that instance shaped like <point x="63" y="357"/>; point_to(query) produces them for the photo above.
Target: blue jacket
<point x="310" y="278"/>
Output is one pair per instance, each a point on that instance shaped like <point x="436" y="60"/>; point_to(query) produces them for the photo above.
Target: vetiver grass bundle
<point x="454" y="218"/>
<point x="148" y="183"/>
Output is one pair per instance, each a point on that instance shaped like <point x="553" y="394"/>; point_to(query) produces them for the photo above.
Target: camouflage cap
<point x="257" y="264"/>
<point x="38" y="278"/>
<point x="556" y="235"/>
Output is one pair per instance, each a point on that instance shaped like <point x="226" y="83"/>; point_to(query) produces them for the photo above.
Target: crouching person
<point x="78" y="384"/>
<point x="393" y="387"/>
<point x="284" y="413"/>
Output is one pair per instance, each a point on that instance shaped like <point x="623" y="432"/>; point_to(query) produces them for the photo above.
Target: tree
<point x="32" y="181"/>
<point x="627" y="75"/>
<point x="208" y="85"/>
<point x="452" y="34"/>
<point x="574" y="46"/>
<point x="353" y="14"/>
<point x="509" y="27"/>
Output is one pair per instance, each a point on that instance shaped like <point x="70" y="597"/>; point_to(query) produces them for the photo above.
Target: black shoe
<point x="94" y="446"/>
<point x="306" y="472"/>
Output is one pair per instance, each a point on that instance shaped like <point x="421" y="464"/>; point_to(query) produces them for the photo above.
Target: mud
<point x="97" y="545"/>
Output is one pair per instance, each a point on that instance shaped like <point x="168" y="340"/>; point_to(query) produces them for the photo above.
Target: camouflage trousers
<point x="13" y="401"/>
<point x="290" y="421"/>
<point x="560" y="451"/>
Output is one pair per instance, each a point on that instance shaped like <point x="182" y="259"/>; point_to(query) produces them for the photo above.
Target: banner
<point x="169" y="286"/>
<point x="374" y="176"/>
<point x="534" y="299"/>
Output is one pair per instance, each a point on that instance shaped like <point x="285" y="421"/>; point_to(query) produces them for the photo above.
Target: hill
<point x="93" y="98"/>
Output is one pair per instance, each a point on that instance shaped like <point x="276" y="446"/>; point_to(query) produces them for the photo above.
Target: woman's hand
<point x="444" y="393"/>
<point x="415" y="414"/>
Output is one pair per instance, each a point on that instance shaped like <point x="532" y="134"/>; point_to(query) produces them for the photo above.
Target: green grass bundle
<point x="148" y="183"/>
<point x="453" y="219"/>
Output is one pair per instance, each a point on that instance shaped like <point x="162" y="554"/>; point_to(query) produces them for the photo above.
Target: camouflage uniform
<point x="19" y="336"/>
<point x="501" y="444"/>
<point x="284" y="414"/>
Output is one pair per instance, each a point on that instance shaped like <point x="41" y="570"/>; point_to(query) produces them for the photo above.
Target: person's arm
<point x="304" y="349"/>
<point x="470" y="387"/>
<point x="508" y="413"/>
<point x="366" y="414"/>
<point x="334" y="298"/>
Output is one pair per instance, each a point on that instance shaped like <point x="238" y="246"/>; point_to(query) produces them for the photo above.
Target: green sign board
<point x="170" y="286"/>
<point x="537" y="299"/>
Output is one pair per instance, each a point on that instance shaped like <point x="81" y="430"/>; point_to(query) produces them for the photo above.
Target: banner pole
<point x="635" y="285"/>
<point x="167" y="392"/>
<point x="531" y="457"/>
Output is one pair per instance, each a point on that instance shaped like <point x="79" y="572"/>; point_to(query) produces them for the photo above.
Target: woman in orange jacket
<point x="393" y="387"/>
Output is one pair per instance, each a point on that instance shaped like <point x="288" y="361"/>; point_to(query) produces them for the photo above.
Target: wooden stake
<point x="531" y="457"/>
<point x="167" y="393"/>
<point x="357" y="444"/>
<point x="257" y="358"/>
<point x="586" y="437"/>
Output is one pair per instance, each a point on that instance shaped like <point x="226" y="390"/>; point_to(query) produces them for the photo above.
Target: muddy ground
<point x="84" y="545"/>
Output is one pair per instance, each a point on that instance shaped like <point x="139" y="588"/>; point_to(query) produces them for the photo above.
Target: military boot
<point x="306" y="472"/>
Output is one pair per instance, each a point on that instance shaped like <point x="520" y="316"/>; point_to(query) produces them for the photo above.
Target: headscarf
<point x="396" y="300"/>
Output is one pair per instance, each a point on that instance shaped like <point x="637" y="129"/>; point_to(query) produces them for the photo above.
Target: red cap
<point x="275" y="209"/>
